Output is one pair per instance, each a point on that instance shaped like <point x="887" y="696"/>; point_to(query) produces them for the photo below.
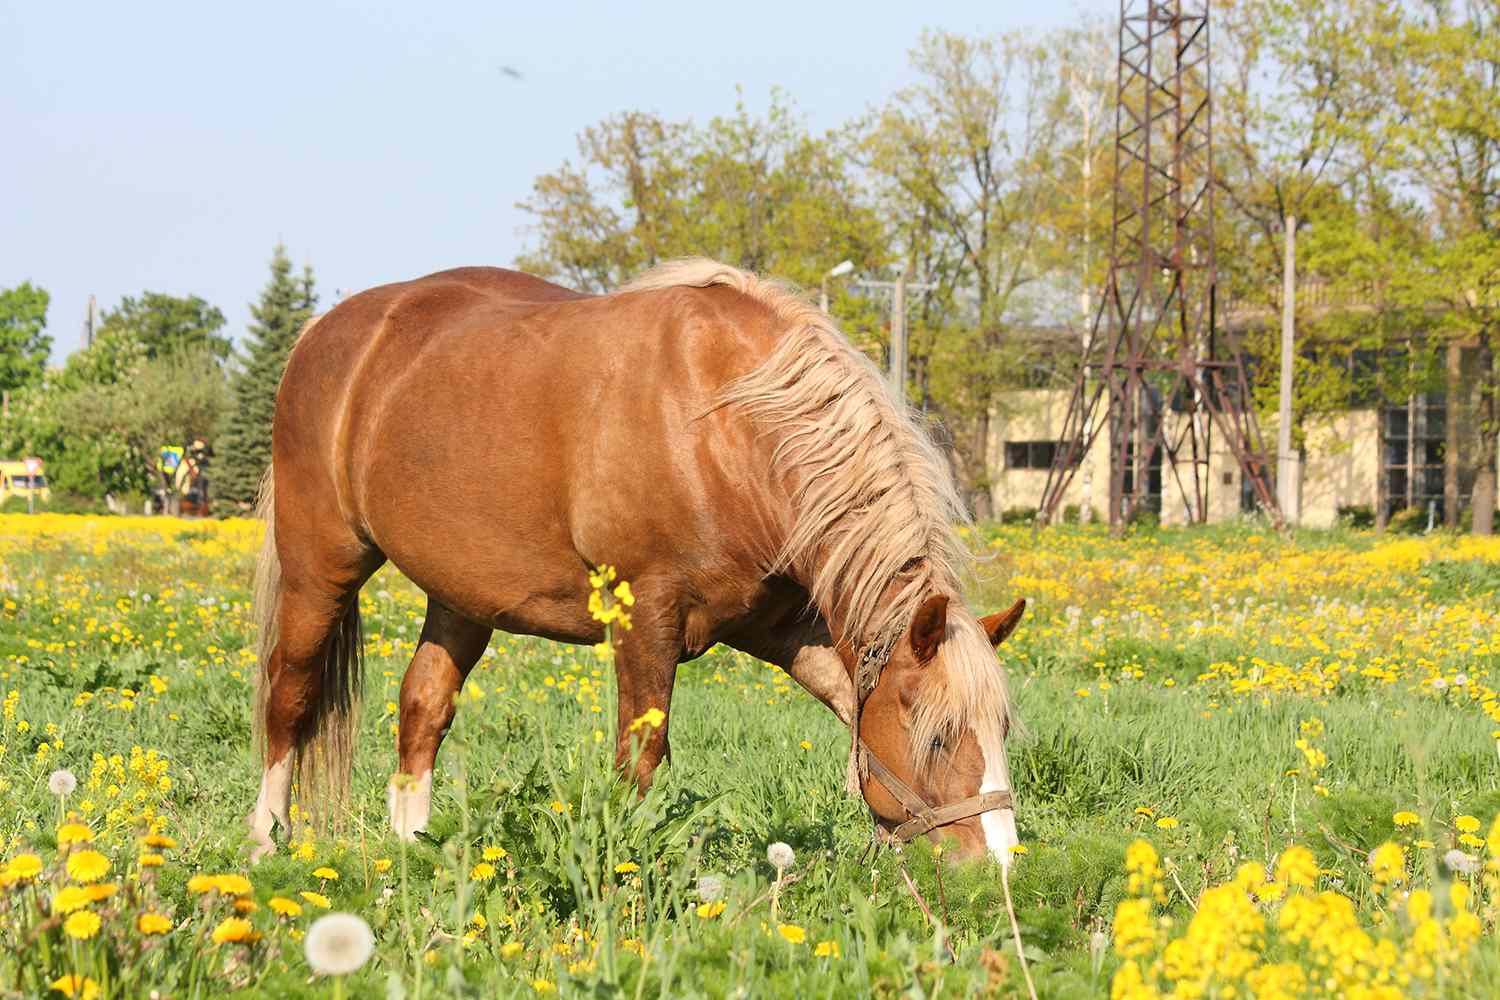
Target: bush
<point x="1408" y="521"/>
<point x="1073" y="514"/>
<point x="1018" y="515"/>
<point x="1144" y="517"/>
<point x="1360" y="517"/>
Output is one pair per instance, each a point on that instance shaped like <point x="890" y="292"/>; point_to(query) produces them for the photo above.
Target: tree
<point x="168" y="324"/>
<point x="286" y="303"/>
<point x="966" y="156"/>
<point x="23" y="346"/>
<point x="758" y="193"/>
<point x="1448" y="125"/>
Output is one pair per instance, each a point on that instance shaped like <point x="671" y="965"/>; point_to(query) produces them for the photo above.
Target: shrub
<point x="1360" y="517"/>
<point x="1408" y="521"/>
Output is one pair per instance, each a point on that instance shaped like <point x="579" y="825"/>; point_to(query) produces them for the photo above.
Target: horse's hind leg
<point x="449" y="648"/>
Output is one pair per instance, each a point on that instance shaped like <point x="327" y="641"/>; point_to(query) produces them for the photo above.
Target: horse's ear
<point x="928" y="627"/>
<point x="1002" y="623"/>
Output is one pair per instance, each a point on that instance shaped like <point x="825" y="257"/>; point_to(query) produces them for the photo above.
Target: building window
<point x="1034" y="454"/>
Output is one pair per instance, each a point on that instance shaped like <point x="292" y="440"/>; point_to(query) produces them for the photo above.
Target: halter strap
<point x="925" y="817"/>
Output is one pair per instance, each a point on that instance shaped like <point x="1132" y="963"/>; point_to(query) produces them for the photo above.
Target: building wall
<point x="1340" y="468"/>
<point x="1037" y="415"/>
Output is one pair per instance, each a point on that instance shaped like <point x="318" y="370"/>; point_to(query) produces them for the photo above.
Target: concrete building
<point x="1374" y="460"/>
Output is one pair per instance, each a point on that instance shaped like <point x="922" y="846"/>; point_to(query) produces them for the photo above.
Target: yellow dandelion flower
<point x="560" y="807"/>
<point x="284" y="907"/>
<point x="69" y="898"/>
<point x="482" y="872"/>
<point x="650" y="718"/>
<point x="494" y="853"/>
<point x="153" y="923"/>
<point x="382" y="865"/>
<point x="160" y="841"/>
<point x="77" y="987"/>
<point x="1388" y="862"/>
<point x="326" y="873"/>
<point x="316" y="898"/>
<point x="87" y="866"/>
<point x="1017" y="850"/>
<point x="244" y="904"/>
<point x="792" y="933"/>
<point x="73" y="833"/>
<point x="1467" y="824"/>
<point x="511" y="949"/>
<point x="827" y="949"/>
<point x="707" y="911"/>
<point x="151" y="860"/>
<point x="1297" y="866"/>
<point x="626" y="867"/>
<point x="82" y="925"/>
<point x="24" y="866"/>
<point x="543" y="986"/>
<point x="200" y="884"/>
<point x="233" y="930"/>
<point x="1167" y="823"/>
<point x="232" y="885"/>
<point x="102" y="891"/>
<point x="1406" y="818"/>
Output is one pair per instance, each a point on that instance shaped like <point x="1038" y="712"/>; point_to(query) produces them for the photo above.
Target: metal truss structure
<point x="1152" y="362"/>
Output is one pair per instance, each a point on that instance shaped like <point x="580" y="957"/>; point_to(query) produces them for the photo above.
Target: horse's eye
<point x="937" y="744"/>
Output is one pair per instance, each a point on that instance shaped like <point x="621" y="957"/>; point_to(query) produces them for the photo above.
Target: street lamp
<point x="837" y="271"/>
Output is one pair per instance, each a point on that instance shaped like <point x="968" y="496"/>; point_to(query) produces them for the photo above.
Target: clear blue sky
<point x="168" y="146"/>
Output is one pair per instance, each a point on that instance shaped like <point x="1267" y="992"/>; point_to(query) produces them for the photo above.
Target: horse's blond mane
<point x="874" y="501"/>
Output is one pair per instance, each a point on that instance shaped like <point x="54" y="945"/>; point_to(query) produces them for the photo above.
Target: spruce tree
<point x="244" y="450"/>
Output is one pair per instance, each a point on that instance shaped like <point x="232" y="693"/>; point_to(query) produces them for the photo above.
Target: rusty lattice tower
<point x="1153" y="363"/>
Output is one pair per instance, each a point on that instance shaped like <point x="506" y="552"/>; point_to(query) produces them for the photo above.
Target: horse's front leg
<point x="646" y="657"/>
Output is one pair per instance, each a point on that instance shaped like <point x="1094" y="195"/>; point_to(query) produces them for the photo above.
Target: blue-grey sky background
<point x="169" y="146"/>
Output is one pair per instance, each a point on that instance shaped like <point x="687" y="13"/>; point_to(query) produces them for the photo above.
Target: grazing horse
<point x="706" y="432"/>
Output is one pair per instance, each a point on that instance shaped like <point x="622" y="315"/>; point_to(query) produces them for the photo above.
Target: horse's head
<point x="934" y="729"/>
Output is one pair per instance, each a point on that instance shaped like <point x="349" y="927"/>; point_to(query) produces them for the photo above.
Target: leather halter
<point x="862" y="760"/>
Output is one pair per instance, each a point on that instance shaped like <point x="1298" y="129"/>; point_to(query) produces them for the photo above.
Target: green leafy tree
<point x="23" y="344"/>
<point x="968" y="158"/>
<point x="757" y="192"/>
<point x="168" y="324"/>
<point x="1447" y="122"/>
<point x="286" y="303"/>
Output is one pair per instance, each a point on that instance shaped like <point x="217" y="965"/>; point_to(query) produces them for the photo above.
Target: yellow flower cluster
<point x="1275" y="936"/>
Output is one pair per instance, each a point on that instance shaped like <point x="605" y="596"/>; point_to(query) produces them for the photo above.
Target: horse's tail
<point x="267" y="592"/>
<point x="323" y="761"/>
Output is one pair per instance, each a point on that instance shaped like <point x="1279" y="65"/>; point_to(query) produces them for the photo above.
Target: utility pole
<point x="899" y="287"/>
<point x="90" y="322"/>
<point x="1287" y="478"/>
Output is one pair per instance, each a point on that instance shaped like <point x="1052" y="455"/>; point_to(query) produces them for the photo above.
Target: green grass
<point x="1197" y="751"/>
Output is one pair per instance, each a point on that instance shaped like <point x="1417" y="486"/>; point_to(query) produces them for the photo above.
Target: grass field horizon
<point x="1227" y="695"/>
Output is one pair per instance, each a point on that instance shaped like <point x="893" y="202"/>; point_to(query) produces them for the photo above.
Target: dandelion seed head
<point x="338" y="943"/>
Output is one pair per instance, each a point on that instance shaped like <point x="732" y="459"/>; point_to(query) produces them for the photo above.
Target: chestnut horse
<point x="706" y="432"/>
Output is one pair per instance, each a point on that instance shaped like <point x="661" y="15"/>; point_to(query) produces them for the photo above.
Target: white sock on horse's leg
<point x="411" y="805"/>
<point x="271" y="806"/>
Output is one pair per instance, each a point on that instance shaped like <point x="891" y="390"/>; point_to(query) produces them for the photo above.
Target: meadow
<point x="1252" y="765"/>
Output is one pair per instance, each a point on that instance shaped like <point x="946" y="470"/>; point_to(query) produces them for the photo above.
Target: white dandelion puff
<point x="62" y="782"/>
<point x="1460" y="863"/>
<point x="710" y="888"/>
<point x="338" y="943"/>
<point x="781" y="855"/>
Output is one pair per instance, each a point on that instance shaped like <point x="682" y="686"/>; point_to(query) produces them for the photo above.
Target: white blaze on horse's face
<point x="999" y="824"/>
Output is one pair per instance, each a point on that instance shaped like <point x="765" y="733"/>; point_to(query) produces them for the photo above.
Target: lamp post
<point x="837" y="271"/>
<point x="899" y="288"/>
